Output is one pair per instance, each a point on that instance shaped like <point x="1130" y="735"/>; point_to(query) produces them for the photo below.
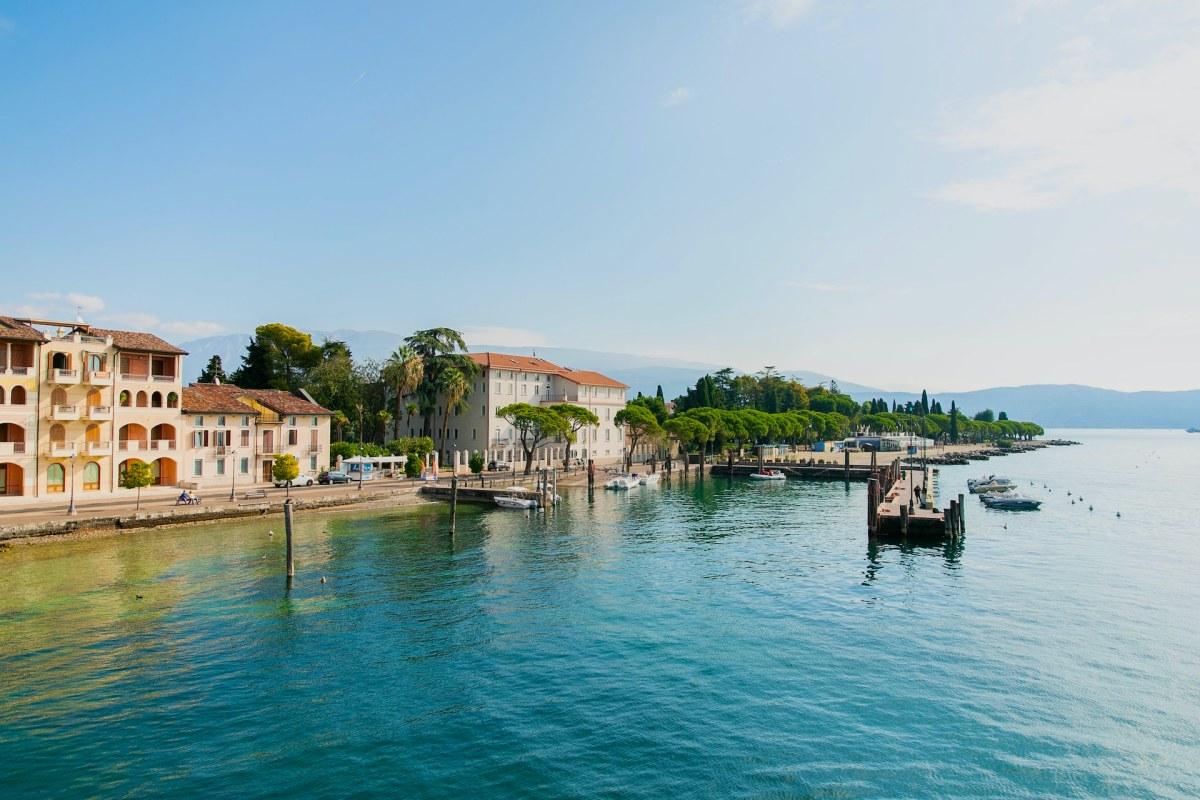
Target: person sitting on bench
<point x="187" y="499"/>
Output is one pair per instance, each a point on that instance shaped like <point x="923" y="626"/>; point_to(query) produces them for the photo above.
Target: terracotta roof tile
<point x="215" y="398"/>
<point x="587" y="377"/>
<point x="283" y="402"/>
<point x="11" y="329"/>
<point x="516" y="363"/>
<point x="135" y="340"/>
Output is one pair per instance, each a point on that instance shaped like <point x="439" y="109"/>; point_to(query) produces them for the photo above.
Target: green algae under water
<point x="708" y="639"/>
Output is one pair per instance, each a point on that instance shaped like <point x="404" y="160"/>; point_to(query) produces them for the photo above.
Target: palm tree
<point x="384" y="417"/>
<point x="403" y="372"/>
<point x="340" y="421"/>
<point x="454" y="385"/>
<point x="437" y="348"/>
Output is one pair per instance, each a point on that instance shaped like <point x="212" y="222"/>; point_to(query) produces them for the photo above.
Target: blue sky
<point x="944" y="194"/>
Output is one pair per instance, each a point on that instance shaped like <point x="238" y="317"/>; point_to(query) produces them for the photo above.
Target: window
<point x="312" y="462"/>
<point x="198" y="467"/>
<point x="244" y="466"/>
<point x="245" y="422"/>
<point x="497" y="387"/>
<point x="220" y="466"/>
<point x="245" y="438"/>
<point x="291" y="420"/>
<point x="607" y="433"/>
<point x="172" y="400"/>
<point x="199" y="422"/>
<point x="220" y="422"/>
<point x="293" y="437"/>
<point x="315" y="422"/>
<point x="91" y="476"/>
<point x="536" y="388"/>
<point x="16" y="397"/>
<point x="55" y="478"/>
<point x="523" y="389"/>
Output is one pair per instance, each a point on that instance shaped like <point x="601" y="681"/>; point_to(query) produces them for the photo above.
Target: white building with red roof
<point x="505" y="379"/>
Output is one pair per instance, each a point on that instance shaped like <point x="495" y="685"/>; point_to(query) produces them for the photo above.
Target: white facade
<point x="507" y="379"/>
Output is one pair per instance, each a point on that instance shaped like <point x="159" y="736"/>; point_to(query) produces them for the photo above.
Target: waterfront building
<point x="234" y="435"/>
<point x="79" y="402"/>
<point x="504" y="379"/>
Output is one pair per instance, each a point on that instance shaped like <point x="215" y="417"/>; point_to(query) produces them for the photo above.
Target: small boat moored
<point x="768" y="475"/>
<point x="1011" y="501"/>
<point x="992" y="483"/>
<point x="622" y="482"/>
<point x="522" y="503"/>
<point x="647" y="479"/>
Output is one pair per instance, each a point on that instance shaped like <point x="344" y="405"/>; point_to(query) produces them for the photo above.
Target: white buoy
<point x="323" y="579"/>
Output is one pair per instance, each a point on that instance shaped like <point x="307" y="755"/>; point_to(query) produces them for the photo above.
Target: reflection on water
<point x="703" y="638"/>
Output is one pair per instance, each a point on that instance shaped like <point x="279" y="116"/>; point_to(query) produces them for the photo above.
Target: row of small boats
<point x="999" y="492"/>
<point x="632" y="480"/>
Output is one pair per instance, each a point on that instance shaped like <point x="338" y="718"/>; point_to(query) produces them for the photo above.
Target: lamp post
<point x="71" y="505"/>
<point x="233" y="473"/>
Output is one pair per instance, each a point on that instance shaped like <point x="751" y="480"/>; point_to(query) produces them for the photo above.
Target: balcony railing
<point x="62" y="449"/>
<point x="99" y="448"/>
<point x="131" y="445"/>
<point x="99" y="412"/>
<point x="269" y="449"/>
<point x="18" y="370"/>
<point x="84" y="339"/>
<point x="128" y="376"/>
<point x="315" y="448"/>
<point x="65" y="413"/>
<point x="12" y="448"/>
<point x="63" y="376"/>
<point x="221" y="449"/>
<point x="163" y="378"/>
<point x="162" y="444"/>
<point x="99" y="377"/>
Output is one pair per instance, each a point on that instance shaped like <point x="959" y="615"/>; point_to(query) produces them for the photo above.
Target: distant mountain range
<point x="1051" y="405"/>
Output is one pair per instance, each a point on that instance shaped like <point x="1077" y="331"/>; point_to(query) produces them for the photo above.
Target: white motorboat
<point x="1011" y="501"/>
<point x="622" y="482"/>
<point x="992" y="483"/>
<point x="523" y="503"/>
<point x="648" y="479"/>
<point x="768" y="475"/>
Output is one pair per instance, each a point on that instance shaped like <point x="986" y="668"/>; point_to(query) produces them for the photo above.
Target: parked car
<point x="299" y="480"/>
<point x="332" y="476"/>
<point x="498" y="466"/>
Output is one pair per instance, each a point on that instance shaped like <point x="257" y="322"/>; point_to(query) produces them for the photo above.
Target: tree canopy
<point x="534" y="425"/>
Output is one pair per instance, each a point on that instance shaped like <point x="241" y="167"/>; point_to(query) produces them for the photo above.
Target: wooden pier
<point x="900" y="505"/>
<point x="476" y="494"/>
<point x="806" y="472"/>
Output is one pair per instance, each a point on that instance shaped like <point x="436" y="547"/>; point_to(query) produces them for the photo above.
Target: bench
<point x="257" y="494"/>
<point x="195" y="501"/>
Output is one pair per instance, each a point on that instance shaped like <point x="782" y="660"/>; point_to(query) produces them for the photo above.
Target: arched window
<point x="91" y="477"/>
<point x="156" y="400"/>
<point x="1" y="395"/>
<point x="126" y="399"/>
<point x="92" y="434"/>
<point x="16" y="396"/>
<point x="94" y="399"/>
<point x="58" y="434"/>
<point x="56" y="478"/>
<point x="58" y="397"/>
<point x="141" y="400"/>
<point x="172" y="400"/>
<point x="60" y="361"/>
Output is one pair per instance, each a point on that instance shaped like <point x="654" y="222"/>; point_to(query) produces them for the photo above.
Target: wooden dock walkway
<point x="901" y="504"/>
<point x="476" y="494"/>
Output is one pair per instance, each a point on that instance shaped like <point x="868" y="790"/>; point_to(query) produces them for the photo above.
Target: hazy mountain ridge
<point x="1051" y="405"/>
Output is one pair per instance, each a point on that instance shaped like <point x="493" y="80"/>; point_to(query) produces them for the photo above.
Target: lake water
<point x="698" y="640"/>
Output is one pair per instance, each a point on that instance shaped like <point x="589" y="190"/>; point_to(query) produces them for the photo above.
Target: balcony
<point x="62" y="449"/>
<point x="16" y="370"/>
<point x="99" y="378"/>
<point x="163" y="378"/>
<point x="99" y="448"/>
<point x="99" y="413"/>
<point x="162" y="444"/>
<point x="269" y="450"/>
<point x="63" y="376"/>
<point x="222" y="449"/>
<point x="315" y="448"/>
<point x="65" y="413"/>
<point x="12" y="448"/>
<point x="129" y="377"/>
<point x="131" y="445"/>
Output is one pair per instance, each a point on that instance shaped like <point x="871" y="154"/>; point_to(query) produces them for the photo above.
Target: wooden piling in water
<point x="846" y="465"/>
<point x="962" y="516"/>
<point x="453" y="504"/>
<point x="591" y="472"/>
<point x="904" y="521"/>
<point x="287" y="527"/>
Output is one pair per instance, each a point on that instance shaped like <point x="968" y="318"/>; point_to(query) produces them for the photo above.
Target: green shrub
<point x="476" y="463"/>
<point x="413" y="467"/>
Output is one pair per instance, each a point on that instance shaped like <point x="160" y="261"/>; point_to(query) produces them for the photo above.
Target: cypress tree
<point x="924" y="402"/>
<point x="953" y="422"/>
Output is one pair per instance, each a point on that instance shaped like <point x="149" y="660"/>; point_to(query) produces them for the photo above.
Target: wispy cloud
<point x="777" y="13"/>
<point x="677" y="97"/>
<point x="192" y="329"/>
<point x="147" y="321"/>
<point x="1080" y="134"/>
<point x="507" y="337"/>
<point x="85" y="303"/>
<point x="832" y="288"/>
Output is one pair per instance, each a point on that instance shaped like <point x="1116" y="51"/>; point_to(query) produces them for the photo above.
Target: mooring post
<point x="846" y="467"/>
<point x="962" y="516"/>
<point x="591" y="469"/>
<point x="760" y="459"/>
<point x="287" y="527"/>
<point x="948" y="517"/>
<point x="904" y="521"/>
<point x="453" y="503"/>
<point x="872" y="503"/>
<point x="731" y="463"/>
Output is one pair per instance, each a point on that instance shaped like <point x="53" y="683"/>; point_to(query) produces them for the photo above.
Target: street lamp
<point x="233" y="473"/>
<point x="71" y="505"/>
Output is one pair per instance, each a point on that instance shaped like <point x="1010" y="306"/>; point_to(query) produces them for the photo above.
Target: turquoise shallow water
<point x="698" y="640"/>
